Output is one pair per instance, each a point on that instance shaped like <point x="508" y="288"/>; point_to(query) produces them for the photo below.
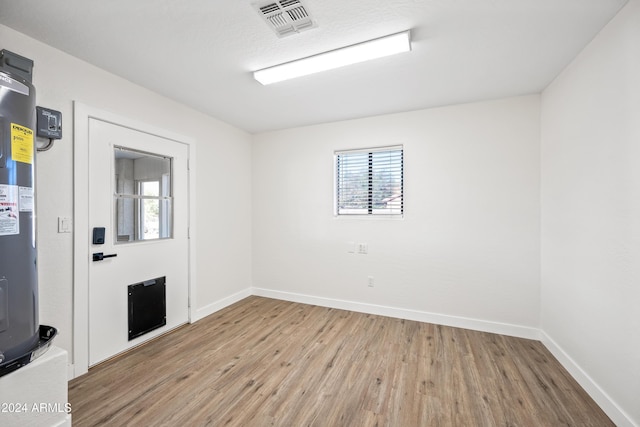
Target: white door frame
<point x="81" y="238"/>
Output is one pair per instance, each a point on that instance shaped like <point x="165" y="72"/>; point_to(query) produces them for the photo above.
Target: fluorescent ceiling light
<point x="372" y="49"/>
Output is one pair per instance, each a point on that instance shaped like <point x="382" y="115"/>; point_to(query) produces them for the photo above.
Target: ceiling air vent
<point x="285" y="17"/>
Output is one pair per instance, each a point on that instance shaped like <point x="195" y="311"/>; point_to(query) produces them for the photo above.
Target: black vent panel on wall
<point x="147" y="306"/>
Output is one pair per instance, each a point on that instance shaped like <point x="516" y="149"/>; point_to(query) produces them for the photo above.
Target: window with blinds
<point x="370" y="181"/>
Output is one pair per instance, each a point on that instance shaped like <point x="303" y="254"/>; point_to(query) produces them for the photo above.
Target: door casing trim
<point x="81" y="115"/>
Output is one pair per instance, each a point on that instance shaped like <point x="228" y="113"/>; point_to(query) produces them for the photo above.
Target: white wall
<point x="468" y="246"/>
<point x="591" y="216"/>
<point x="223" y="177"/>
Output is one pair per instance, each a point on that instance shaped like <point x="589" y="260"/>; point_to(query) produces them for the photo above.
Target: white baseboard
<point x="205" y="311"/>
<point x="617" y="415"/>
<point x="401" y="313"/>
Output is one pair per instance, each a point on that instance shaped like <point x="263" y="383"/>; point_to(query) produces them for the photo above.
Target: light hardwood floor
<point x="264" y="362"/>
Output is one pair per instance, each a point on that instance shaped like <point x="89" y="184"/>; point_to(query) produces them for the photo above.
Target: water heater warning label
<point x="9" y="210"/>
<point x="26" y="199"/>
<point x="21" y="144"/>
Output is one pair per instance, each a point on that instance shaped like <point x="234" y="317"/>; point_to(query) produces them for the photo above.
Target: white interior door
<point x="138" y="201"/>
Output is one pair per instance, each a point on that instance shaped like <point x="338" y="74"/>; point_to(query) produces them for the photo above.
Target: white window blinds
<point x="370" y="181"/>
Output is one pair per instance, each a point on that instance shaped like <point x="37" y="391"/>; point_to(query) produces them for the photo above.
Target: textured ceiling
<point x="201" y="53"/>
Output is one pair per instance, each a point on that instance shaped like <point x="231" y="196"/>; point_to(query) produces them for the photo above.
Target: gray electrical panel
<point x="48" y="123"/>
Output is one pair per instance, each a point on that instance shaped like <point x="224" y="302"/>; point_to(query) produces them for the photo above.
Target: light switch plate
<point x="351" y="247"/>
<point x="64" y="224"/>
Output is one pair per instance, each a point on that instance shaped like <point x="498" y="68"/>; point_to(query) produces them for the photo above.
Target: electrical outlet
<point x="370" y="281"/>
<point x="363" y="248"/>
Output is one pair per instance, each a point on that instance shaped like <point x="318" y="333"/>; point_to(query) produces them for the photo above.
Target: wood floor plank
<point x="264" y="362"/>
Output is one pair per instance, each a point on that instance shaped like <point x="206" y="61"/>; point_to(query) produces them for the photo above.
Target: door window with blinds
<point x="369" y="181"/>
<point x="143" y="199"/>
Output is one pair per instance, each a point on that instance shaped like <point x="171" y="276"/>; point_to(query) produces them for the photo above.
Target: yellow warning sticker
<point x="21" y="144"/>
